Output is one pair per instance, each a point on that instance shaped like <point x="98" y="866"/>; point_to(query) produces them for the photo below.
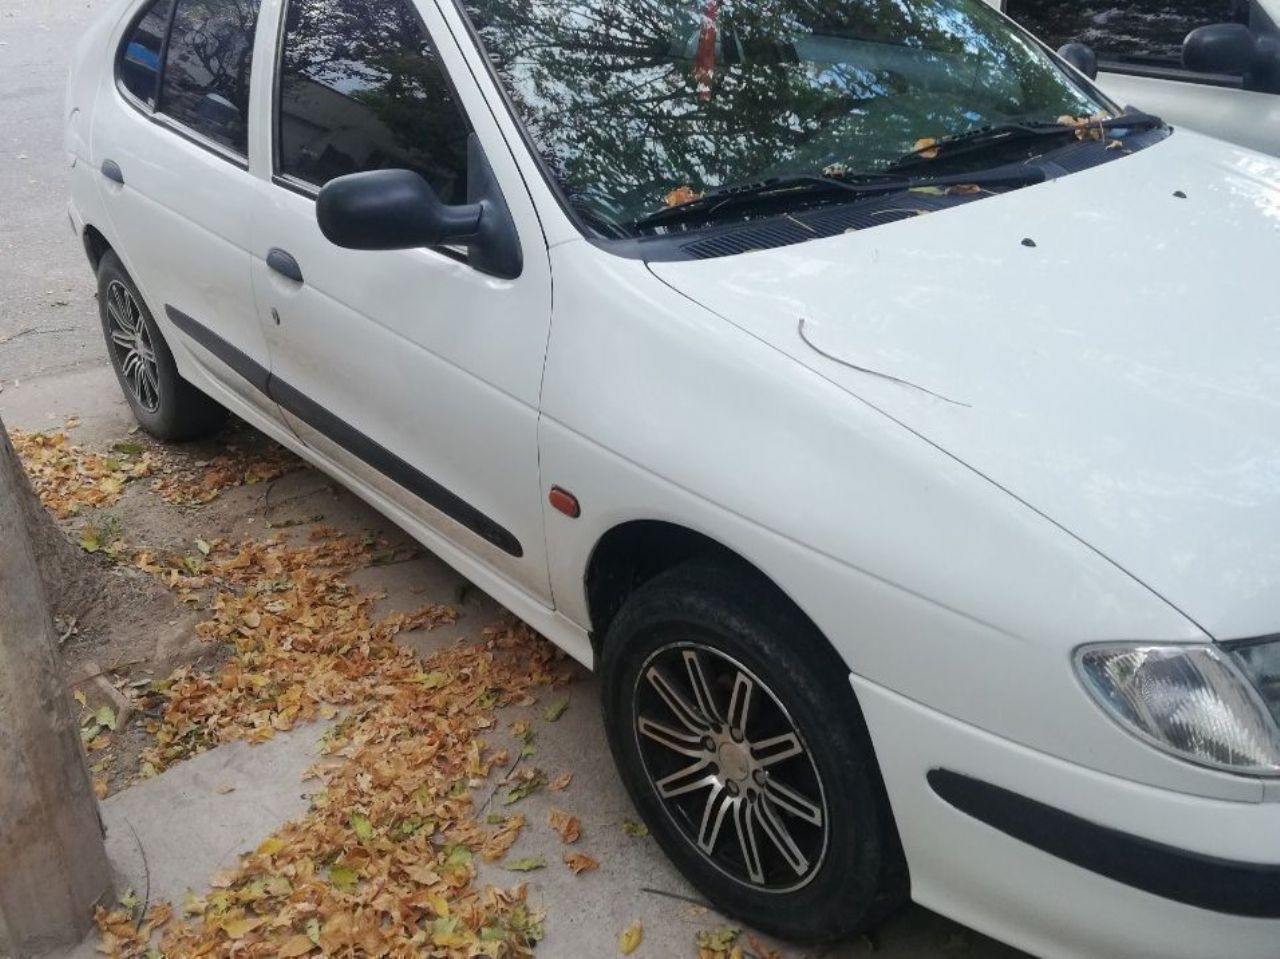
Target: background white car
<point x="1145" y="52"/>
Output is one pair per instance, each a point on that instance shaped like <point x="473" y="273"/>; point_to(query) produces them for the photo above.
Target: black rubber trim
<point x="1195" y="879"/>
<point x="392" y="466"/>
<point x="348" y="437"/>
<point x="257" y="374"/>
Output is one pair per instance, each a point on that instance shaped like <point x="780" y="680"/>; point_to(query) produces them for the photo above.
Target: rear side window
<point x="191" y="62"/>
<point x="140" y="59"/>
<point x="361" y="88"/>
<point x="206" y="71"/>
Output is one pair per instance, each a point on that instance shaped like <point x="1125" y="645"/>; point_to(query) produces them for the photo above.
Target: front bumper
<point x="1063" y="861"/>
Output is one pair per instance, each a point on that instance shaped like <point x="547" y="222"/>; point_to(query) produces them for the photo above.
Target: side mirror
<point x="1229" y="48"/>
<point x="1082" y="57"/>
<point x="398" y="210"/>
<point x="391" y="210"/>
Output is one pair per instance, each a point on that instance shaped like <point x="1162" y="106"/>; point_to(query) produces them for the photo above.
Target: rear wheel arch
<point x="96" y="246"/>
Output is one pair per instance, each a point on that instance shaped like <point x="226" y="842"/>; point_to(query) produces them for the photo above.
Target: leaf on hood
<point x="681" y="195"/>
<point x="926" y="148"/>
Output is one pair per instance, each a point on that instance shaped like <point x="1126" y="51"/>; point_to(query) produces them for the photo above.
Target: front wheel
<point x="740" y="741"/>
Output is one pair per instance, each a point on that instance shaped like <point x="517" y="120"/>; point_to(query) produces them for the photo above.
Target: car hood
<point x="1105" y="347"/>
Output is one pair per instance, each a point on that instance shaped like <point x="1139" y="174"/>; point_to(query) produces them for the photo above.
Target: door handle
<point x="284" y="264"/>
<point x="111" y="170"/>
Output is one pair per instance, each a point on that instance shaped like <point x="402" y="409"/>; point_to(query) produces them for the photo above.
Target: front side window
<point x="140" y="59"/>
<point x="1137" y="32"/>
<point x="206" y="72"/>
<point x="634" y="104"/>
<point x="362" y="88"/>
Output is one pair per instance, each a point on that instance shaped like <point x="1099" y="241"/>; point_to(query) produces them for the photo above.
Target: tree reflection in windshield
<point x="629" y="100"/>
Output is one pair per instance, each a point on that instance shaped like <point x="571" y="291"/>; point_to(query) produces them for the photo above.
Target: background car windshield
<point x="635" y="102"/>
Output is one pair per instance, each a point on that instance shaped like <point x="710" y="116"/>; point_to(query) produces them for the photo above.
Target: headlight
<point x="1197" y="702"/>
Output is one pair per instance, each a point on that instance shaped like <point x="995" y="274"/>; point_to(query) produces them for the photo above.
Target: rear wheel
<point x="737" y="735"/>
<point x="163" y="403"/>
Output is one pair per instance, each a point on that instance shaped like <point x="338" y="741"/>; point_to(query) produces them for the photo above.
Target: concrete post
<point x="53" y="865"/>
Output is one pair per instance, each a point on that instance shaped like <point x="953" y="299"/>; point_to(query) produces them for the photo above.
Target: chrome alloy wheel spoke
<point x="134" y="350"/>
<point x="727" y="761"/>
<point x="681" y="708"/>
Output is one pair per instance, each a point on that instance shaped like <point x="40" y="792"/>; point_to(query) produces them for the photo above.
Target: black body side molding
<point x="348" y="437"/>
<point x="1195" y="879"/>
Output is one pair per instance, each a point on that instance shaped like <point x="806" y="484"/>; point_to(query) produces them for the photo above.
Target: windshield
<point x="639" y="104"/>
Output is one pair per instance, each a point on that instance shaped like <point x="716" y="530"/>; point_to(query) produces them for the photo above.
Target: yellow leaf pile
<point x="383" y="863"/>
<point x="187" y="484"/>
<point x="68" y="478"/>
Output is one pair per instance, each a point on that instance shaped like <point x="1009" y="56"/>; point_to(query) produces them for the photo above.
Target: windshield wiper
<point x="1000" y="134"/>
<point x="802" y="187"/>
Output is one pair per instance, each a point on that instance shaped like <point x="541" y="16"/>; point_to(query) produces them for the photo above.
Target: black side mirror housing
<point x="1234" y="49"/>
<point x="1220" y="48"/>
<point x="398" y="210"/>
<point x="1082" y="57"/>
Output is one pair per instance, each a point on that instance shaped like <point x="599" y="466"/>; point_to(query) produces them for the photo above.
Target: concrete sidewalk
<point x="173" y="833"/>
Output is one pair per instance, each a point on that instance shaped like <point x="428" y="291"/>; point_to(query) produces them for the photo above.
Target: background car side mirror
<point x="1082" y="57"/>
<point x="399" y="210"/>
<point x="1234" y="49"/>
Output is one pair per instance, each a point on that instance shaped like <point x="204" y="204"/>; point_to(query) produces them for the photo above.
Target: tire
<point x="739" y="629"/>
<point x="163" y="403"/>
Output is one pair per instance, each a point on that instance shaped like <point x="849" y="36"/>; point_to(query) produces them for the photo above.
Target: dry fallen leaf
<point x="681" y="194"/>
<point x="926" y="148"/>
<point x="629" y="941"/>
<point x="760" y="950"/>
<point x="579" y="863"/>
<point x="560" y="783"/>
<point x="566" y="825"/>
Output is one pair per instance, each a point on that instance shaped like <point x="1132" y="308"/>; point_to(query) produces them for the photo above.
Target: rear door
<point x="170" y="139"/>
<point x="1139" y="48"/>
<point x="410" y="371"/>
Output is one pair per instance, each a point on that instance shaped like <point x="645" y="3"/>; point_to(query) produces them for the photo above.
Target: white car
<point x="1213" y="65"/>
<point x="903" y="450"/>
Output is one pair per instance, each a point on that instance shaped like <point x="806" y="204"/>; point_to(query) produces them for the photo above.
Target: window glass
<point x="206" y="73"/>
<point x="362" y="88"/>
<point x="140" y="60"/>
<point x="1139" y="31"/>
<point x="633" y="103"/>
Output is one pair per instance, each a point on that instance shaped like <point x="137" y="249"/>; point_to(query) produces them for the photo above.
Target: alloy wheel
<point x="131" y="341"/>
<point x="730" y="767"/>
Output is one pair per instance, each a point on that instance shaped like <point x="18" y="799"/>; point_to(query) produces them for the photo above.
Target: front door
<point x="411" y="371"/>
<point x="1139" y="48"/>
